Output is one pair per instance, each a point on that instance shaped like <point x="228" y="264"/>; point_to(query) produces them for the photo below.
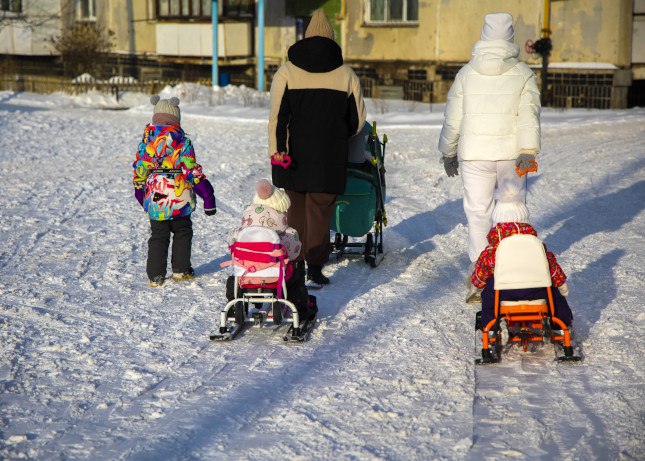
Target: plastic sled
<point x="260" y="270"/>
<point x="521" y="262"/>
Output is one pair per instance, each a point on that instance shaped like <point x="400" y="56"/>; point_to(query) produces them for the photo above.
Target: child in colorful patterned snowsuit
<point x="166" y="179"/>
<point x="510" y="217"/>
<point x="269" y="209"/>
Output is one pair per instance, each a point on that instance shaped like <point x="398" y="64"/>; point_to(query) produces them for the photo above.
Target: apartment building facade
<point x="400" y="48"/>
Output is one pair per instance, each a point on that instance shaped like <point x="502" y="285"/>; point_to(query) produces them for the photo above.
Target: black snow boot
<point x="314" y="274"/>
<point x="312" y="305"/>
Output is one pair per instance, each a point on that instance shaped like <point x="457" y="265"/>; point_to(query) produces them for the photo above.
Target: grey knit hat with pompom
<point x="166" y="111"/>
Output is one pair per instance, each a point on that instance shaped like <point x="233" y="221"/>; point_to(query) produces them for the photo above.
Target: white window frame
<point x="91" y="8"/>
<point x="386" y="20"/>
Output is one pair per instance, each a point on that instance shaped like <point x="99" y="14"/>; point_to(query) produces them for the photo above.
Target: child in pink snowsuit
<point x="269" y="209"/>
<point x="510" y="217"/>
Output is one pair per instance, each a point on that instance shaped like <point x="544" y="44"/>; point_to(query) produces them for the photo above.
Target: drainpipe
<point x="215" y="71"/>
<point x="260" y="45"/>
<point x="546" y="34"/>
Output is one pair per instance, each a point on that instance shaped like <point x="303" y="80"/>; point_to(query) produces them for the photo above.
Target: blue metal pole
<point x="215" y="74"/>
<point x="260" y="50"/>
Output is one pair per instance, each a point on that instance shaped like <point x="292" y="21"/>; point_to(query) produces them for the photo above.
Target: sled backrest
<point x="258" y="253"/>
<point x="520" y="262"/>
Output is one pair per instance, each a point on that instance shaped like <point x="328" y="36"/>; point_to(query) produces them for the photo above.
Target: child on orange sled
<point x="511" y="216"/>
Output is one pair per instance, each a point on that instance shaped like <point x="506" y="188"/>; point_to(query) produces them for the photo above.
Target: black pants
<point x="182" y="230"/>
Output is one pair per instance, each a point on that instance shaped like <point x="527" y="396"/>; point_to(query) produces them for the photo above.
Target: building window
<point x="387" y="11"/>
<point x="201" y="9"/>
<point x="185" y="9"/>
<point x="238" y="8"/>
<point x="86" y="10"/>
<point x="14" y="6"/>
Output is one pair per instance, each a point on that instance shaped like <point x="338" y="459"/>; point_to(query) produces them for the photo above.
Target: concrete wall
<point x="592" y="31"/>
<point x="31" y="32"/>
<point x="582" y="31"/>
<point x="132" y="22"/>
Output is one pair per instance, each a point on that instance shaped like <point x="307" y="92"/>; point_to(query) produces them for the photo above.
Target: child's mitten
<point x="205" y="190"/>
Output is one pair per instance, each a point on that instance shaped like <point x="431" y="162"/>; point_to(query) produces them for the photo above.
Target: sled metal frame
<point x="229" y="327"/>
<point x="527" y="323"/>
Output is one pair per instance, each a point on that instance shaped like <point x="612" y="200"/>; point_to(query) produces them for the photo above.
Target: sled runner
<point x="521" y="262"/>
<point x="261" y="270"/>
<point x="360" y="211"/>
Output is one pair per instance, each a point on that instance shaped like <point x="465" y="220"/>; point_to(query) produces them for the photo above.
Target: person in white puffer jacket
<point x="492" y="124"/>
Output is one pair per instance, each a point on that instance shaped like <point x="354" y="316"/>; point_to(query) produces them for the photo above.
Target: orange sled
<point x="520" y="262"/>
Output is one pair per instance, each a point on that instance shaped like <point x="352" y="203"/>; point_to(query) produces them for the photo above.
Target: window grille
<point x="417" y="74"/>
<point x="580" y="89"/>
<point x="415" y="90"/>
<point x="447" y="72"/>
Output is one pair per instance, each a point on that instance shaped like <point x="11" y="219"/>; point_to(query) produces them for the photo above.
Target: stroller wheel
<point x="337" y="241"/>
<point x="369" y="245"/>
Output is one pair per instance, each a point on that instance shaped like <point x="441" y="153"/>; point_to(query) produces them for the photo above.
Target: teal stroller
<point x="360" y="211"/>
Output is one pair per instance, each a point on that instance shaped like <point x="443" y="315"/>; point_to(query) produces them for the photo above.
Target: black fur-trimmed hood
<point x="316" y="54"/>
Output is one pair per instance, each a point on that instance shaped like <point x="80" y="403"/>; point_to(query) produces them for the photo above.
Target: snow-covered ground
<point x="96" y="365"/>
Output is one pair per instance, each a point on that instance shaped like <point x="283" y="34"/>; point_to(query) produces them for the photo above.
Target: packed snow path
<point x="96" y="365"/>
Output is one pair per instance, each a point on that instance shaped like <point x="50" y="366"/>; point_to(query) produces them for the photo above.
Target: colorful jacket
<point x="166" y="170"/>
<point x="485" y="265"/>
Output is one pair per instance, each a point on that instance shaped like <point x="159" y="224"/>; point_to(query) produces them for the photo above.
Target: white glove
<point x="564" y="289"/>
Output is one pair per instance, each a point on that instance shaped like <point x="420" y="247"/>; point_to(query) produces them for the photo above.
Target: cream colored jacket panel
<point x="493" y="107"/>
<point x="292" y="77"/>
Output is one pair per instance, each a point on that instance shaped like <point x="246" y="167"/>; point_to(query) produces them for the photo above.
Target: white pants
<point x="480" y="178"/>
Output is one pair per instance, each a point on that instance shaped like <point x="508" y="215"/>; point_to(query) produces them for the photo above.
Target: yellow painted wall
<point x="132" y="24"/>
<point x="591" y="31"/>
<point x="582" y="31"/>
<point x="446" y="31"/>
<point x="279" y="32"/>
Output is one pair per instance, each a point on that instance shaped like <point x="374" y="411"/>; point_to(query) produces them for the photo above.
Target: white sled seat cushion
<point x="258" y="234"/>
<point x="520" y="262"/>
<point x="531" y="302"/>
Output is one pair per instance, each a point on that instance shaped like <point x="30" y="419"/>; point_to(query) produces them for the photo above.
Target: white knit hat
<point x="509" y="206"/>
<point x="498" y="26"/>
<point x="166" y="110"/>
<point x="319" y="26"/>
<point x="269" y="195"/>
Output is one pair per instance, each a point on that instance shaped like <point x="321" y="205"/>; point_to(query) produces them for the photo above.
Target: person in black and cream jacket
<point x="316" y="106"/>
